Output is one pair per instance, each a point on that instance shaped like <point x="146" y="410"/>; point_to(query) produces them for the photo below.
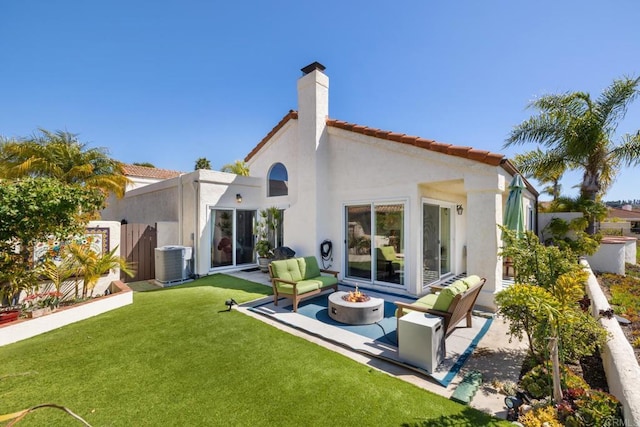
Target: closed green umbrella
<point x="514" y="213"/>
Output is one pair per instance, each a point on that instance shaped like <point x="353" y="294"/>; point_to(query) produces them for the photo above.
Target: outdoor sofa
<point x="453" y="302"/>
<point x="299" y="278"/>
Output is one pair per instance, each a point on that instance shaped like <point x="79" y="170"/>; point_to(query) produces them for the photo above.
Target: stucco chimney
<point x="313" y="104"/>
<point x="313" y="109"/>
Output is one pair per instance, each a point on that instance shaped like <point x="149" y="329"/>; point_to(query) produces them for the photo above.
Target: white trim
<point x="234" y="209"/>
<point x="406" y="238"/>
<point x="452" y="239"/>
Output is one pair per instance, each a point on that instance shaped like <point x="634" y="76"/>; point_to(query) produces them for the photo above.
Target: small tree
<point x="239" y="167"/>
<point x="91" y="265"/>
<point x="32" y="211"/>
<point x="202" y="163"/>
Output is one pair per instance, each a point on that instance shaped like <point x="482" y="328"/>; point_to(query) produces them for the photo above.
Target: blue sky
<point x="168" y="82"/>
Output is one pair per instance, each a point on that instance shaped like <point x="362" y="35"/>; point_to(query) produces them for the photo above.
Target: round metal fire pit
<point x="355" y="313"/>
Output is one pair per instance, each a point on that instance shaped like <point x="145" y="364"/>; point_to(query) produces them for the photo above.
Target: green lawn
<point x="175" y="357"/>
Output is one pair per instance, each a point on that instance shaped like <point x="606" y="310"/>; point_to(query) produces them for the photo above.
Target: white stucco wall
<point x="618" y="357"/>
<point x="544" y="219"/>
<point x="608" y="259"/>
<point x="217" y="189"/>
<point x="146" y="205"/>
<point x="167" y="233"/>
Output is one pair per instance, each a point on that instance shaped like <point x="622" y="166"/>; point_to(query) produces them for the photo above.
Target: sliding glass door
<point x="375" y="242"/>
<point x="232" y="237"/>
<point x="436" y="242"/>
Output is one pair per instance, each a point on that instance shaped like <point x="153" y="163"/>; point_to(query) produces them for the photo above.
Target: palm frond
<point x="615" y="99"/>
<point x="628" y="153"/>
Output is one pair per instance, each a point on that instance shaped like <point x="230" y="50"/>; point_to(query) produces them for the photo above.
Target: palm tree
<point x="538" y="165"/>
<point x="91" y="266"/>
<point x="202" y="163"/>
<point x="578" y="133"/>
<point x="61" y="156"/>
<point x="239" y="167"/>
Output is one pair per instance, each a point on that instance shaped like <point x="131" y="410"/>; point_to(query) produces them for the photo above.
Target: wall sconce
<point x="239" y="198"/>
<point x="459" y="209"/>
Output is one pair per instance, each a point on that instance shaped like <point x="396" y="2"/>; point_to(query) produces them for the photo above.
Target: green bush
<point x="538" y="382"/>
<point x="588" y="407"/>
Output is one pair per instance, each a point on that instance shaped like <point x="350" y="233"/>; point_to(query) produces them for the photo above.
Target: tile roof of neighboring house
<point x="487" y="157"/>
<point x="624" y="214"/>
<point x="145" y="172"/>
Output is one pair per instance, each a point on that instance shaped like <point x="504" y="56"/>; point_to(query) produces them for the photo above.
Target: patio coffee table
<point x="355" y="313"/>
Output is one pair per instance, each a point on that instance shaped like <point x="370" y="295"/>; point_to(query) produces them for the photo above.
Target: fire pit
<point x="355" y="308"/>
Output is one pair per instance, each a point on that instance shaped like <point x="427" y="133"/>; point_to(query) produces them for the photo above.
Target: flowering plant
<point x="42" y="300"/>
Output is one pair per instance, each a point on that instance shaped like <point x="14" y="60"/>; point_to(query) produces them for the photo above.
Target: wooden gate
<point x="137" y="246"/>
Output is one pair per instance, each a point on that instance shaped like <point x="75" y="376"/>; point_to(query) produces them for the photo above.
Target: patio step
<point x="467" y="388"/>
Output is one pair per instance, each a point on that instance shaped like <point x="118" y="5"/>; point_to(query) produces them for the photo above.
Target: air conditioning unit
<point x="173" y="263"/>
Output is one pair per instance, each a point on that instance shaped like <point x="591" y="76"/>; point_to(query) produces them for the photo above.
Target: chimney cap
<point x="312" y="67"/>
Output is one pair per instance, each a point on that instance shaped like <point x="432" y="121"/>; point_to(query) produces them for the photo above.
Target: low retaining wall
<point x="618" y="357"/>
<point x="612" y="255"/>
<point x="26" y="328"/>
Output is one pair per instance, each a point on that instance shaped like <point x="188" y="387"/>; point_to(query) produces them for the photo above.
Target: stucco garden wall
<point x="618" y="357"/>
<point x="612" y="255"/>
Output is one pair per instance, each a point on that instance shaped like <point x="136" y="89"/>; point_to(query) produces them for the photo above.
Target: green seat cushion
<point x="388" y="253"/>
<point x="325" y="281"/>
<point x="303" y="287"/>
<point x="472" y="280"/>
<point x="287" y="269"/>
<point x="445" y="297"/>
<point x="308" y="267"/>
<point x="428" y="300"/>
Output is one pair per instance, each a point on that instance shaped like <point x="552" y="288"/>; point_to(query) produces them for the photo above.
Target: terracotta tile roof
<point x="482" y="156"/>
<point x="145" y="172"/>
<point x="623" y="214"/>
<point x="290" y="115"/>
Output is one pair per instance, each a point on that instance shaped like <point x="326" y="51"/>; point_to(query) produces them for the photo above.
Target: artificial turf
<point x="176" y="357"/>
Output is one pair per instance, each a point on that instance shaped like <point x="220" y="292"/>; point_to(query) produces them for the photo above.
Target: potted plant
<point x="263" y="248"/>
<point x="263" y="245"/>
<point x="41" y="303"/>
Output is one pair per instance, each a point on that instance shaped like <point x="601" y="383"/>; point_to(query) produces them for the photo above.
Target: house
<point x="624" y="220"/>
<point x="389" y="211"/>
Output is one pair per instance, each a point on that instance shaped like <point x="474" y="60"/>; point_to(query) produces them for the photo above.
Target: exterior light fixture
<point x="459" y="209"/>
<point x="239" y="198"/>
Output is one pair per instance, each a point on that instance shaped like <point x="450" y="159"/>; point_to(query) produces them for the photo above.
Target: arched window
<point x="278" y="181"/>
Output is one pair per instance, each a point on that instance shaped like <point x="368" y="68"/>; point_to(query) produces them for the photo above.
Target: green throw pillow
<point x="445" y="297"/>
<point x="472" y="280"/>
<point x="458" y="286"/>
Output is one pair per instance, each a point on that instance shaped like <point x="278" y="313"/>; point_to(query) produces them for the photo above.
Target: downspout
<point x="180" y="209"/>
<point x="196" y="228"/>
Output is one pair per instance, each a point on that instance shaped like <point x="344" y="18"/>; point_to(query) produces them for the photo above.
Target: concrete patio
<point x="495" y="357"/>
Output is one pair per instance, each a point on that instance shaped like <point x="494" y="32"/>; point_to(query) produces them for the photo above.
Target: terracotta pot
<point x="9" y="316"/>
<point x="38" y="312"/>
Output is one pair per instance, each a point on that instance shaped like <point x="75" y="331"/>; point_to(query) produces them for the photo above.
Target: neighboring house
<point x="624" y="219"/>
<point x="401" y="212"/>
<point x="143" y="175"/>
